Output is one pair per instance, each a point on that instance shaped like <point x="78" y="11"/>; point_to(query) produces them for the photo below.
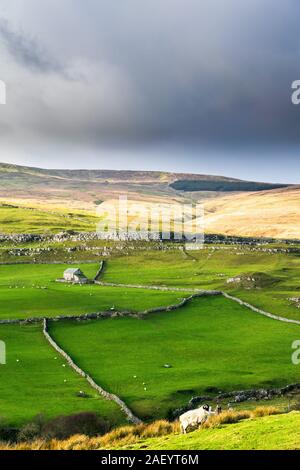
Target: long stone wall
<point x="181" y="304"/>
<point x="91" y="236"/>
<point x="108" y="396"/>
<point x="100" y="270"/>
<point x="112" y="313"/>
<point x="71" y="263"/>
<point x="198" y="293"/>
<point x="258" y="310"/>
<point x="239" y="396"/>
<point x="168" y="308"/>
<point x="162" y="288"/>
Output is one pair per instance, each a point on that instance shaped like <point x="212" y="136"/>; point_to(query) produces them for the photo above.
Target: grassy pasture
<point x="211" y="342"/>
<point x="18" y="219"/>
<point x="33" y="381"/>
<point x="210" y="269"/>
<point x="31" y="290"/>
<point x="202" y="269"/>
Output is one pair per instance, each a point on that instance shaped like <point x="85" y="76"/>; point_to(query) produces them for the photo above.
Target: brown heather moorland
<point x="274" y="213"/>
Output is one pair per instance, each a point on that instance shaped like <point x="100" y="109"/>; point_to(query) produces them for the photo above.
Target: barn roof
<point x="73" y="271"/>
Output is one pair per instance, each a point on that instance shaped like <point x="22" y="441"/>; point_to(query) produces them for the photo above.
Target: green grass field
<point x="33" y="381"/>
<point x="211" y="342"/>
<point x="31" y="291"/>
<point x="210" y="269"/>
<point x="18" y="219"/>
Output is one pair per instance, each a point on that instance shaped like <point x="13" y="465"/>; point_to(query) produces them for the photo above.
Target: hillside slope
<point x="83" y="188"/>
<point x="274" y="213"/>
<point x="275" y="432"/>
<point x="110" y="175"/>
<point x="70" y="198"/>
<point x="279" y="432"/>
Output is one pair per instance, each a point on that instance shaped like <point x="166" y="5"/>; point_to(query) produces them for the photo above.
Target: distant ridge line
<point x="171" y="177"/>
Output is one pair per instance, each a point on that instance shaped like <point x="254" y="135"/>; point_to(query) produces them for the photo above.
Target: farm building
<point x="75" y="275"/>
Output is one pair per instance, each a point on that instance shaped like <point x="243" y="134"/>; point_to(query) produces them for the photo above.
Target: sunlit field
<point x="211" y="344"/>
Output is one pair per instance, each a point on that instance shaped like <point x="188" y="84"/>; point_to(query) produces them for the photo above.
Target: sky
<point x="176" y="85"/>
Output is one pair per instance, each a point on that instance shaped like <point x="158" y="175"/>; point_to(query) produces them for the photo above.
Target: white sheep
<point x="195" y="418"/>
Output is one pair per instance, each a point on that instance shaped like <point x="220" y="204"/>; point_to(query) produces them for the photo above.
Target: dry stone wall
<point x="108" y="396"/>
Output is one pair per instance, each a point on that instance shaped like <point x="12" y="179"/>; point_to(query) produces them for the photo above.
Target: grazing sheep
<point x="195" y="418"/>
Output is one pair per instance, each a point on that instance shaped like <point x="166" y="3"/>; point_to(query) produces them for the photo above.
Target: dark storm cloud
<point x="214" y="74"/>
<point x="26" y="50"/>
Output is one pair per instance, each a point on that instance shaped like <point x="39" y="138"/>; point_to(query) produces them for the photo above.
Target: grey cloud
<point x="214" y="74"/>
<point x="27" y="51"/>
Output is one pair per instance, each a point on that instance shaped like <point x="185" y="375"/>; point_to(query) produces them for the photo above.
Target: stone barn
<point x="75" y="275"/>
